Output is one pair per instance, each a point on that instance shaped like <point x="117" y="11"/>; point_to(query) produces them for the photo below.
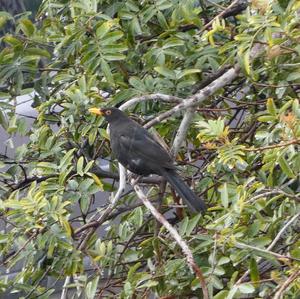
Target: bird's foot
<point x="133" y="178"/>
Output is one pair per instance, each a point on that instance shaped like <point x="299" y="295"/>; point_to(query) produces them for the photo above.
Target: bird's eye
<point x="108" y="112"/>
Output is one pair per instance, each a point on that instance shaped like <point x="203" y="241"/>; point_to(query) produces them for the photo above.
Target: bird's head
<point x="110" y="114"/>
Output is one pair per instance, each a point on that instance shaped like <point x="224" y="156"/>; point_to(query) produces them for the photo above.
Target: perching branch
<point x="173" y="232"/>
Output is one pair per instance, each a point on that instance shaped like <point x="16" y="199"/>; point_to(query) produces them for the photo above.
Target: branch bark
<point x="175" y="235"/>
<point x="151" y="97"/>
<point x="286" y="284"/>
<point x="182" y="131"/>
<point x="199" y="97"/>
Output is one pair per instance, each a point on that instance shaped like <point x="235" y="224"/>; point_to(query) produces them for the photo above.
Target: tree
<point x="219" y="82"/>
<point x="12" y="7"/>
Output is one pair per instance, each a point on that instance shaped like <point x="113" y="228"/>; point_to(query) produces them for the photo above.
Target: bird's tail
<point x="189" y="197"/>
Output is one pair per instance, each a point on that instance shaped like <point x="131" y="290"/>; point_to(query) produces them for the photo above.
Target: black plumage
<point x="136" y="149"/>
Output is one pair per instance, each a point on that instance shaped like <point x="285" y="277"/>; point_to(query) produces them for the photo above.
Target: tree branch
<point x="270" y="247"/>
<point x="111" y="206"/>
<point x="151" y="97"/>
<point x="173" y="232"/>
<point x="286" y="284"/>
<point x="182" y="131"/>
<point x="199" y="97"/>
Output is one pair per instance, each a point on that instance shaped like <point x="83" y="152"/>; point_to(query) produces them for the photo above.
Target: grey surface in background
<point x="24" y="109"/>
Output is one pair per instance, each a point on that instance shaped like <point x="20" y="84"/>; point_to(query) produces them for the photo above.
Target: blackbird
<point x="137" y="150"/>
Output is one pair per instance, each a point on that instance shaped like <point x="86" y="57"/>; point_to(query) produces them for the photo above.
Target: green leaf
<point x="294" y="76"/>
<point x="173" y="42"/>
<point x="111" y="37"/>
<point x="3" y="119"/>
<point x="27" y="27"/>
<point x="84" y="203"/>
<point x="137" y="84"/>
<point x="221" y="295"/>
<point x="162" y="20"/>
<point x="66" y="160"/>
<point x="224" y="195"/>
<point x="188" y="72"/>
<point x="286" y="106"/>
<point x="266" y="118"/>
<point x="232" y="292"/>
<point x="285" y="167"/>
<point x="114" y="57"/>
<point x="246" y="61"/>
<point x="183" y="226"/>
<point x="63" y="176"/>
<point x="135" y="26"/>
<point x="91" y="288"/>
<point x="132" y="270"/>
<point x="12" y="40"/>
<point x="97" y="180"/>
<point x="88" y="166"/>
<point x="246" y="288"/>
<point x="271" y="107"/>
<point x="38" y="52"/>
<point x="80" y="166"/>
<point x="4" y="17"/>
<point x="192" y="224"/>
<point x="66" y="226"/>
<point x="165" y="72"/>
<point x="107" y="71"/>
<point x="148" y="284"/>
<point x="92" y="136"/>
<point x="254" y="272"/>
<point x="103" y="29"/>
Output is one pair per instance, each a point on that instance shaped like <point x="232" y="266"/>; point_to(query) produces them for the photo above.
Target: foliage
<point x="243" y="154"/>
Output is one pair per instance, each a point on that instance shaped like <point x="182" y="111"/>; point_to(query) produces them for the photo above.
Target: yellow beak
<point x="96" y="111"/>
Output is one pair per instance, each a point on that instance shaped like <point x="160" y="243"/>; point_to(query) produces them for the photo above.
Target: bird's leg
<point x="132" y="176"/>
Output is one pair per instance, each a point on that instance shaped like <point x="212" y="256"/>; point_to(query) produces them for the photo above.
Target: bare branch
<point x="270" y="247"/>
<point x="199" y="97"/>
<point x="108" y="210"/>
<point x="64" y="292"/>
<point x="277" y="255"/>
<point x="286" y="284"/>
<point x="235" y="7"/>
<point x="151" y="97"/>
<point x="173" y="232"/>
<point x="283" y="230"/>
<point x="182" y="131"/>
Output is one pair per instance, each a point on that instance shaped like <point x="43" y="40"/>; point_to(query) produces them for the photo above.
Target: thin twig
<point x="286" y="284"/>
<point x="282" y="231"/>
<point x="20" y="249"/>
<point x="220" y="15"/>
<point x="270" y="247"/>
<point x="111" y="206"/>
<point x="64" y="292"/>
<point x="267" y="251"/>
<point x="263" y="148"/>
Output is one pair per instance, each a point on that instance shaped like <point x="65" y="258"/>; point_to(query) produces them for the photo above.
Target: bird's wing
<point x="141" y="145"/>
